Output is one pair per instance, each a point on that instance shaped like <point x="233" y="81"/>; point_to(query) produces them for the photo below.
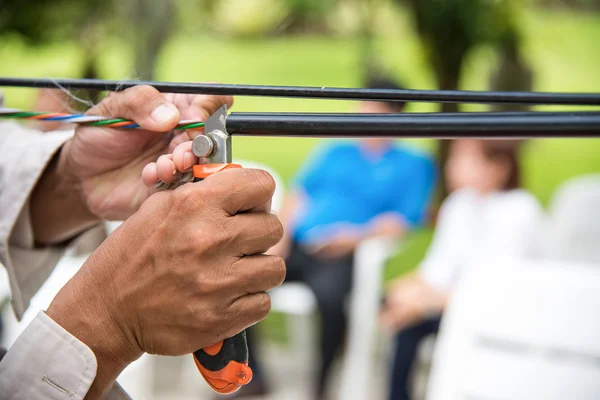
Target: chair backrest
<point x="521" y="330"/>
<point x="574" y="226"/>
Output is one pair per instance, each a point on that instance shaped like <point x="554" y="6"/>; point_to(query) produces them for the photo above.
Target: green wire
<point x="26" y="114"/>
<point x="107" y="122"/>
<point x="192" y="126"/>
<point x="22" y="114"/>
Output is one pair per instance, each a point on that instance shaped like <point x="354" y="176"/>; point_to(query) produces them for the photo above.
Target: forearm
<point x="391" y="225"/>
<point x="57" y="209"/>
<point x="79" y="309"/>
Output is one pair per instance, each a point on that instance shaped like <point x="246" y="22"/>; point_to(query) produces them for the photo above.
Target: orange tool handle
<point x="224" y="366"/>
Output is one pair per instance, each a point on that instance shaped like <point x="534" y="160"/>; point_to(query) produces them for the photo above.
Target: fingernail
<point x="164" y="113"/>
<point x="188" y="160"/>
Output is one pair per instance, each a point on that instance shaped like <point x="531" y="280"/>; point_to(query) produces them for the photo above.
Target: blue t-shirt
<point x="343" y="185"/>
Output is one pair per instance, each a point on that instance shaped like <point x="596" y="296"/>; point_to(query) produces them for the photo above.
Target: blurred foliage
<point x="308" y="15"/>
<point x="574" y="4"/>
<point x="148" y="30"/>
<point x="245" y="18"/>
<point x="44" y="20"/>
<point x="449" y="29"/>
<point x="561" y="48"/>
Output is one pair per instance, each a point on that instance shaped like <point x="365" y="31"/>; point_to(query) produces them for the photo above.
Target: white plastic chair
<point x="518" y="329"/>
<point x="359" y="358"/>
<point x="574" y="225"/>
<point x="298" y="301"/>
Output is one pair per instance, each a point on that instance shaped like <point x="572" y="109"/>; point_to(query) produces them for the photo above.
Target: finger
<point x="250" y="309"/>
<point x="201" y="107"/>
<point x="263" y="208"/>
<point x="150" y="174"/>
<point x="183" y="157"/>
<point x="259" y="273"/>
<point x="166" y="169"/>
<point x="142" y="104"/>
<point x="256" y="233"/>
<point x="178" y="139"/>
<point x="240" y="189"/>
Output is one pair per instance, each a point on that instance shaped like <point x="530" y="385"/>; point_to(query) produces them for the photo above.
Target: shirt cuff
<point x="47" y="362"/>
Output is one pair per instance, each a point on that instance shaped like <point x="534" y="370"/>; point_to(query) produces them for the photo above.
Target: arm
<point x="58" y="210"/>
<point x="444" y="256"/>
<point x="103" y="318"/>
<point x="410" y="207"/>
<point x="390" y="225"/>
<point x="296" y="200"/>
<point x="403" y="211"/>
<point x="425" y="292"/>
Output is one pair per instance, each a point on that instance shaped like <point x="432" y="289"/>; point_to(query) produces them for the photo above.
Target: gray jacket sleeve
<point x="46" y="362"/>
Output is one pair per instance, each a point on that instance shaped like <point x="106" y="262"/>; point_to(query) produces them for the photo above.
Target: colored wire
<point x="89" y="120"/>
<point x="438" y="96"/>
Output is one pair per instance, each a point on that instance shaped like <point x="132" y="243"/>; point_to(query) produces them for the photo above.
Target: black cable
<point x="433" y="125"/>
<point x="444" y="96"/>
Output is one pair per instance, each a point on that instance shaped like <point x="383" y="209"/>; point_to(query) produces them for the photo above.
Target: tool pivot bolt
<point x="202" y="146"/>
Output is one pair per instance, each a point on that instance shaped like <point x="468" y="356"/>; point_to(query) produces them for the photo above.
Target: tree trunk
<point x="448" y="78"/>
<point x="512" y="74"/>
<point x="152" y="28"/>
<point x="367" y="58"/>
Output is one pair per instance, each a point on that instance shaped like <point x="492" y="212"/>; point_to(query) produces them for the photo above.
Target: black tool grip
<point x="232" y="349"/>
<point x="224" y="365"/>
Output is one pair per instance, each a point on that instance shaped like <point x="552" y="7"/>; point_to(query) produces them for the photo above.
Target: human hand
<point x="339" y="245"/>
<point x="184" y="272"/>
<point x="409" y="301"/>
<point x="107" y="163"/>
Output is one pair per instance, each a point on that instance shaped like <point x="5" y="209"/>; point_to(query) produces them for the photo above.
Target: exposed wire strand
<point x="89" y="120"/>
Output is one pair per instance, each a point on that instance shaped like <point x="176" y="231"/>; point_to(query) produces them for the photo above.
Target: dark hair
<point x="382" y="82"/>
<point x="505" y="151"/>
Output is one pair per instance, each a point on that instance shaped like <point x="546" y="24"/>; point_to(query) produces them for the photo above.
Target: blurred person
<point x="487" y="215"/>
<point x="346" y="193"/>
<point x="184" y="271"/>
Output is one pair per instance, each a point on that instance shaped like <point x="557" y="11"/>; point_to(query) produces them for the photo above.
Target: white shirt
<point x="46" y="361"/>
<point x="473" y="227"/>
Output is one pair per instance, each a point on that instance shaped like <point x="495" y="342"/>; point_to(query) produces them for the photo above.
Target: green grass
<point x="561" y="46"/>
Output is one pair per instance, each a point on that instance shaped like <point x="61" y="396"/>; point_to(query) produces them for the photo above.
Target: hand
<point x="107" y="163"/>
<point x="409" y="301"/>
<point x="340" y="245"/>
<point x="183" y="273"/>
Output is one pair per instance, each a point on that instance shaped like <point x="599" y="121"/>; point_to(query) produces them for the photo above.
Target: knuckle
<point x="222" y="237"/>
<point x="207" y="287"/>
<point x="263" y="305"/>
<point x="186" y="197"/>
<point x="278" y="270"/>
<point x="139" y="98"/>
<point x="274" y="228"/>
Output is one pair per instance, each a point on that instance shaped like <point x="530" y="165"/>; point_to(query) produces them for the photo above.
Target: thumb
<point x="143" y="105"/>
